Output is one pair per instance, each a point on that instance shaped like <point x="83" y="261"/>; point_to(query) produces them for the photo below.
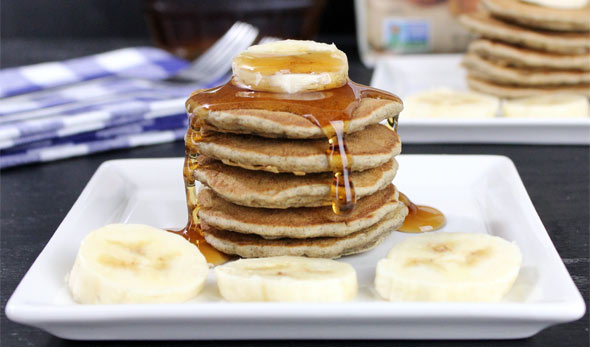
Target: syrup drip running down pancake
<point x="332" y="113"/>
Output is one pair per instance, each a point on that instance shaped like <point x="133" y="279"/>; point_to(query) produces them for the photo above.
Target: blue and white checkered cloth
<point x="112" y="100"/>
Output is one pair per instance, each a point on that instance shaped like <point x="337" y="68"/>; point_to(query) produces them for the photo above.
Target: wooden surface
<point x="34" y="200"/>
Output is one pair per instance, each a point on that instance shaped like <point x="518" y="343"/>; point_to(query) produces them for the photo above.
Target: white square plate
<point x="481" y="194"/>
<point x="405" y="75"/>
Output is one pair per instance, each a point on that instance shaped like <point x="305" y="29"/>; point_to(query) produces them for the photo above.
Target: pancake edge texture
<point x="540" y="17"/>
<point x="287" y="195"/>
<point x="488" y="27"/>
<point x="507" y="91"/>
<point x="524" y="57"/>
<point x="330" y="226"/>
<point x="239" y="150"/>
<point x="276" y="124"/>
<point x="253" y="246"/>
<point x="486" y="69"/>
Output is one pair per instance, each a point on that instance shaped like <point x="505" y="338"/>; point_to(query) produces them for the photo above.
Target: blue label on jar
<point x="406" y="35"/>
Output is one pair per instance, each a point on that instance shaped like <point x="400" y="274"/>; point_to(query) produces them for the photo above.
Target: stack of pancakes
<point x="267" y="182"/>
<point x="527" y="50"/>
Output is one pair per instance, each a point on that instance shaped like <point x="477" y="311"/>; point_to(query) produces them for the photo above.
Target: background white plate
<point x="405" y="75"/>
<point x="482" y="194"/>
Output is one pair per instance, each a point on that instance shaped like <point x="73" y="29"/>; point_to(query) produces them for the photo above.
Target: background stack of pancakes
<point x="528" y="50"/>
<point x="267" y="182"/>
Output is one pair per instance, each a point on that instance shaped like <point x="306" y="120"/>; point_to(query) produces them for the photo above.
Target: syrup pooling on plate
<point x="193" y="233"/>
<point x="421" y="218"/>
<point x="331" y="110"/>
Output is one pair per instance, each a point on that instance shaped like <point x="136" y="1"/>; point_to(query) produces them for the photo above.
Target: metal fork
<point x="216" y="61"/>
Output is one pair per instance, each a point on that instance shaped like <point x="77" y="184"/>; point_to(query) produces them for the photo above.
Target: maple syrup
<point x="192" y="231"/>
<point x="392" y="122"/>
<point x="421" y="218"/>
<point x="331" y="65"/>
<point x="330" y="110"/>
<point x="304" y="63"/>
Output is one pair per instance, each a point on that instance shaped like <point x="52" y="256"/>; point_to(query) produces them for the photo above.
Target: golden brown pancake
<point x="254" y="246"/>
<point x="549" y="41"/>
<point x="369" y="148"/>
<point x="488" y="70"/>
<point x="540" y="17"/>
<point x="284" y="124"/>
<point x="510" y="55"/>
<point x="285" y="190"/>
<point x="299" y="222"/>
<point x="512" y="91"/>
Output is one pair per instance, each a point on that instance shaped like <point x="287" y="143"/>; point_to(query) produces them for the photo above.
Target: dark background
<point x="115" y="24"/>
<point x="34" y="199"/>
<point x="117" y="18"/>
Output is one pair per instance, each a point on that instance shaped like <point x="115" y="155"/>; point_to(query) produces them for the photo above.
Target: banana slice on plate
<point x="286" y="278"/>
<point x="133" y="263"/>
<point x="290" y="66"/>
<point x="446" y="103"/>
<point x="448" y="267"/>
<point x="547" y="106"/>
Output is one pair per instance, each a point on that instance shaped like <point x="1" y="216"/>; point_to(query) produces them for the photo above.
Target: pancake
<point x="509" y="91"/>
<point x="510" y="55"/>
<point x="284" y="124"/>
<point x="254" y="246"/>
<point x="369" y="148"/>
<point x="284" y="190"/>
<point x="540" y="17"/>
<point x="485" y="69"/>
<point x="558" y="42"/>
<point x="299" y="222"/>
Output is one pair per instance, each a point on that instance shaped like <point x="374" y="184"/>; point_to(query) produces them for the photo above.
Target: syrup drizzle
<point x="306" y="63"/>
<point x="192" y="231"/>
<point x="330" y="110"/>
<point x="310" y="62"/>
<point x="392" y="122"/>
<point x="421" y="218"/>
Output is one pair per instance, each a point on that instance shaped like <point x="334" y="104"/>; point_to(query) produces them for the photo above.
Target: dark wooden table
<point x="34" y="200"/>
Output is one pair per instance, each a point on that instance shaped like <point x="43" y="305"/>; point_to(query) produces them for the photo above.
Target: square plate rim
<point x="572" y="308"/>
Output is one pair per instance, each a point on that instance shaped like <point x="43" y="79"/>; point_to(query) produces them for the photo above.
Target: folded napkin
<point x="111" y="100"/>
<point x="140" y="62"/>
<point x="146" y="133"/>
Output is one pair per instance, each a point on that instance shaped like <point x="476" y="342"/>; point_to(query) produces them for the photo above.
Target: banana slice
<point x="132" y="263"/>
<point x="286" y="278"/>
<point x="564" y="4"/>
<point x="547" y="106"/>
<point x="290" y="66"/>
<point x="446" y="103"/>
<point x="448" y="267"/>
